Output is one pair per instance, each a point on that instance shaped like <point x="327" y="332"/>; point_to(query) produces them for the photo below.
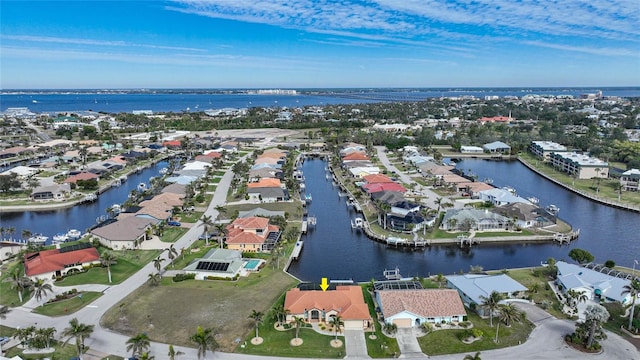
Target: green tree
<point x="107" y="259"/>
<point x="172" y="253"/>
<point x="595" y="315"/>
<point x="19" y="283"/>
<point x="580" y="256"/>
<point x="336" y="322"/>
<point x="173" y="353"/>
<point x="298" y="322"/>
<point x="4" y="310"/>
<point x="154" y="279"/>
<point x="508" y="313"/>
<point x="207" y="222"/>
<point x="204" y="340"/>
<point x="632" y="289"/>
<point x="473" y="357"/>
<point x="78" y="331"/>
<point x="138" y="344"/>
<point x="390" y="328"/>
<point x="257" y="318"/>
<point x="490" y="304"/>
<point x="41" y="288"/>
<point x="157" y="263"/>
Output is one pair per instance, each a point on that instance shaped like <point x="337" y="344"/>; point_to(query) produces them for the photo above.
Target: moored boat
<point x="38" y="239"/>
<point x="74" y="234"/>
<point x="553" y="209"/>
<point x="60" y="238"/>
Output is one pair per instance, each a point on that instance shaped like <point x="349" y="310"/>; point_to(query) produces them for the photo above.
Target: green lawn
<point x="10" y="296"/>
<point x="215" y="180"/>
<point x="68" y="306"/>
<point x="218" y="173"/>
<point x="173" y="233"/>
<point x="128" y="263"/>
<point x="449" y="341"/>
<point x="190" y="217"/>
<point x="380" y="346"/>
<point x="62" y="352"/>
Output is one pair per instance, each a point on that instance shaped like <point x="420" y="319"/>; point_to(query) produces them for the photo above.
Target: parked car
<point x="4" y="340"/>
<point x="173" y="223"/>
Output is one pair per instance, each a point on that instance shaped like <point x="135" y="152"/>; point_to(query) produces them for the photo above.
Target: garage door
<point x="353" y="324"/>
<point x="402" y="322"/>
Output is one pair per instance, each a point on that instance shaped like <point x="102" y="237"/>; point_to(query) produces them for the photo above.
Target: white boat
<point x="510" y="189"/>
<point x="38" y="239"/>
<point x="534" y="200"/>
<point x="164" y="170"/>
<point x="60" y="238"/>
<point x="142" y="187"/>
<point x="90" y="197"/>
<point x="357" y="223"/>
<point x="308" y="197"/>
<point x="116" y="209"/>
<point x="552" y="209"/>
<point x="74" y="234"/>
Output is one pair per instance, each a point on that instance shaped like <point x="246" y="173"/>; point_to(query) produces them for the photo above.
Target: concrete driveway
<point x="355" y="344"/>
<point x="408" y="343"/>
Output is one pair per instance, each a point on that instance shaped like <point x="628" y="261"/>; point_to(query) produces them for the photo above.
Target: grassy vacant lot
<point x="449" y="341"/>
<point x="171" y="311"/>
<point x="172" y="234"/>
<point x="128" y="263"/>
<point x="68" y="306"/>
<point x="190" y="217"/>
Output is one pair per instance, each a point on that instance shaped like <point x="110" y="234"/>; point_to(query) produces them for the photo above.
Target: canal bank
<point x="333" y="250"/>
<point x="600" y="200"/>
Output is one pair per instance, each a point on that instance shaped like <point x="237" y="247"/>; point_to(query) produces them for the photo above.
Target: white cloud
<point x="92" y="42"/>
<point x="602" y="51"/>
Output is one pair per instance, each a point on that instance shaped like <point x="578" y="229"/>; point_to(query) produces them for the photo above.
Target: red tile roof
<point x="373" y="188"/>
<point x="496" y="119"/>
<point x="81" y="176"/>
<point x="357" y="155"/>
<point x="53" y="260"/>
<point x="348" y="301"/>
<point x="173" y="143"/>
<point x="377" y="178"/>
<point x="265" y="183"/>
<point x="212" y="154"/>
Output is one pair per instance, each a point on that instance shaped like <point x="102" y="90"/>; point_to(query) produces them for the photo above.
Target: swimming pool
<point x="252" y="264"/>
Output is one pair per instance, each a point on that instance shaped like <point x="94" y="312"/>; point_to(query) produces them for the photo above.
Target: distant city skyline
<point x="318" y="44"/>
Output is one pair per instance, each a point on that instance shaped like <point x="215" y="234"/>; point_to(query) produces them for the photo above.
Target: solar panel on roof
<point x="212" y="266"/>
<point x="74" y="247"/>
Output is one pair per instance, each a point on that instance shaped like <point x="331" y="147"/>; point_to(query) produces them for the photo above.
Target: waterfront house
<point x="265" y="183"/>
<point x="125" y="233"/>
<point x="23" y="172"/>
<point x="497" y="147"/>
<point x="10" y="248"/>
<point x="388" y="197"/>
<point x="596" y="285"/>
<point x="317" y="306"/>
<point x="544" y="149"/>
<point x="216" y="263"/>
<point x="580" y="165"/>
<point x="14" y="152"/>
<point x="467" y="149"/>
<point x="377" y="179"/>
<point x="172" y="144"/>
<point x="496" y="119"/>
<point x="267" y="172"/>
<point x="181" y="179"/>
<point x="472" y="188"/>
<point x="267" y="194"/>
<point x="175" y="188"/>
<point x="81" y="176"/>
<point x="355" y="156"/>
<point x="373" y="188"/>
<point x="360" y="172"/>
<point x="252" y="234"/>
<point x="630" y="180"/>
<point x="51" y="192"/>
<point x="473" y="219"/>
<point x="412" y="308"/>
<point x="526" y="215"/>
<point x="473" y="288"/>
<point x="50" y="264"/>
<point x="160" y="207"/>
<point x="499" y="197"/>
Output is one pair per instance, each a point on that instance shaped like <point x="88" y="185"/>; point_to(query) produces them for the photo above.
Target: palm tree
<point x="473" y="357"/>
<point x="157" y="263"/>
<point x="138" y="344"/>
<point x="46" y="335"/>
<point x="440" y="279"/>
<point x="146" y="356"/>
<point x="173" y="353"/>
<point x="41" y="288"/>
<point x="507" y="313"/>
<point x="172" y="253"/>
<point x="205" y="340"/>
<point x="26" y="233"/>
<point x="336" y="322"/>
<point x="490" y="303"/>
<point x="222" y="211"/>
<point x="207" y="222"/>
<point x="222" y="231"/>
<point x="281" y="313"/>
<point x="78" y="331"/>
<point x="257" y="318"/>
<point x="107" y="259"/>
<point x="154" y="279"/>
<point x="595" y="315"/>
<point x="20" y="283"/>
<point x="633" y="289"/>
<point x="4" y="310"/>
<point x="298" y="322"/>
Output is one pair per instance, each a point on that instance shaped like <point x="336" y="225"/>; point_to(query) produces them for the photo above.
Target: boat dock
<point x="297" y="250"/>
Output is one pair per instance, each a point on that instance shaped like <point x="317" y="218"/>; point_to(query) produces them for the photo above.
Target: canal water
<point x="80" y="217"/>
<point x="334" y="251"/>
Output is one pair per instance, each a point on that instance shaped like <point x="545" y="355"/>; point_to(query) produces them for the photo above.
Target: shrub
<point x="182" y="277"/>
<point x="476" y="333"/>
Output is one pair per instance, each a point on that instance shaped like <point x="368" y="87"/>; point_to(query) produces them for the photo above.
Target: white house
<point x="596" y="285"/>
<point x="217" y="263"/>
<point x="474" y="287"/>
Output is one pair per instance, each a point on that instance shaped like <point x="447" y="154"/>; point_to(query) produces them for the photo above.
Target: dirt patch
<point x="257" y="340"/>
<point x="296" y="342"/>
<point x="171" y="313"/>
<point x="336" y="343"/>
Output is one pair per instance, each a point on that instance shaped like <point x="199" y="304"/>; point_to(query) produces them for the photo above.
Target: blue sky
<point x="319" y="43"/>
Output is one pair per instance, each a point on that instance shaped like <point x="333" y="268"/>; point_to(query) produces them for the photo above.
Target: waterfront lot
<point x="171" y="311"/>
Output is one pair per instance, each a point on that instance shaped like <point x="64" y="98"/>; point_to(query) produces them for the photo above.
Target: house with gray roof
<point x="526" y="215"/>
<point x="260" y="212"/>
<point x="267" y="194"/>
<point x="217" y="263"/>
<point x="51" y="192"/>
<point x="474" y="287"/>
<point x="497" y="147"/>
<point x="473" y="219"/>
<point x="123" y="234"/>
<point x="596" y="285"/>
<point x="499" y="197"/>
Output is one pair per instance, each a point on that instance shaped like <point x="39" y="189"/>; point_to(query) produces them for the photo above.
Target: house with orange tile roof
<point x="355" y="156"/>
<point x="317" y="306"/>
<point x="49" y="264"/>
<point x="412" y="308"/>
<point x="265" y="183"/>
<point x="252" y="234"/>
<point x="377" y="178"/>
<point x="269" y="160"/>
<point x="81" y="176"/>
